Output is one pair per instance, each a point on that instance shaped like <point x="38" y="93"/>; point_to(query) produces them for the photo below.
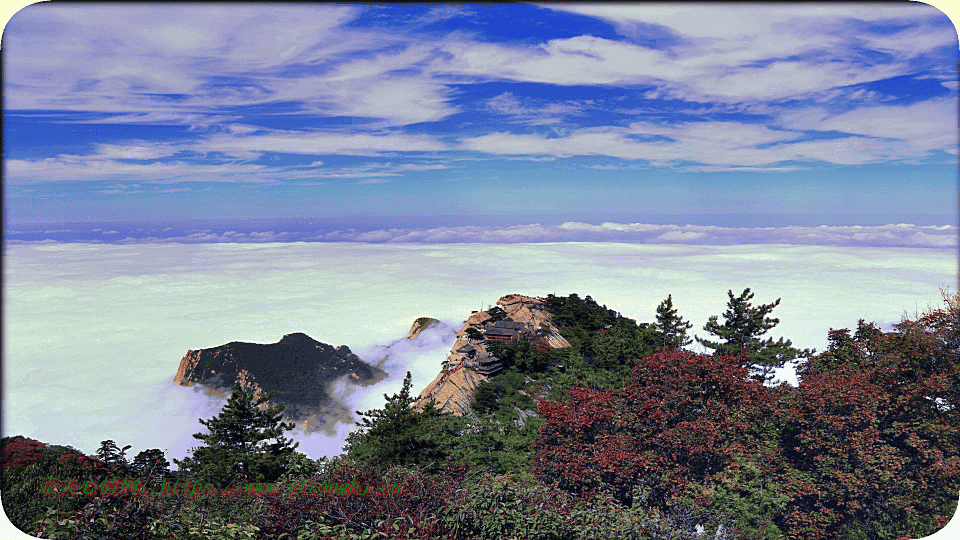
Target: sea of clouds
<point x="94" y="333"/>
<point x="442" y="232"/>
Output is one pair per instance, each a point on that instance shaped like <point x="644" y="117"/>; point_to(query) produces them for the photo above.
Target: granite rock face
<point x="469" y="363"/>
<point x="303" y="371"/>
<point x="420" y="325"/>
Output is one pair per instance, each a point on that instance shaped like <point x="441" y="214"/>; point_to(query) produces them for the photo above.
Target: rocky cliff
<point x="420" y="325"/>
<point x="302" y="370"/>
<point x="469" y="363"/>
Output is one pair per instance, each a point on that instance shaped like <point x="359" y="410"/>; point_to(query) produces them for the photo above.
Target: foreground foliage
<point x="245" y="441"/>
<point x="868" y="445"/>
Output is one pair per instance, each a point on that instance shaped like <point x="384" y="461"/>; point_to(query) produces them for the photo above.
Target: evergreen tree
<point x="497" y="314"/>
<point x="151" y="465"/>
<point x="743" y="325"/>
<point x="672" y="326"/>
<point x="398" y="434"/>
<point x="113" y="457"/>
<point x="237" y="445"/>
<point x="474" y="334"/>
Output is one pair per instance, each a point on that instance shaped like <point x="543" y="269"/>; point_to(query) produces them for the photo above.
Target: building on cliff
<point x="469" y="363"/>
<point x="508" y="331"/>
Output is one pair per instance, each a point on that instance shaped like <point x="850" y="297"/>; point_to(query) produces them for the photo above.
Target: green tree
<point x="399" y="434"/>
<point x="672" y="326"/>
<point x="151" y="465"/>
<point x="620" y="347"/>
<point x="497" y="314"/>
<point x="487" y="396"/>
<point x="474" y="334"/>
<point x="238" y="442"/>
<point x="524" y="355"/>
<point x="743" y="325"/>
<point x="113" y="457"/>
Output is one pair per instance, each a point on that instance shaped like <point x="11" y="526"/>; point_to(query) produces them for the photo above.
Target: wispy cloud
<point x="532" y="113"/>
<point x="151" y="162"/>
<point x="736" y="145"/>
<point x="716" y="50"/>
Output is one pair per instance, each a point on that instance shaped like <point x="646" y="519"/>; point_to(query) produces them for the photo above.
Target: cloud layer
<point x="899" y="235"/>
<point x="93" y="334"/>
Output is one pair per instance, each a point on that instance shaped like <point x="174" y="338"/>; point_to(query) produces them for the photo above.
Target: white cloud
<point x="716" y="50"/>
<point x="883" y="236"/>
<point x="142" y="152"/>
<point x="529" y="112"/>
<point x="166" y="118"/>
<point x="109" y="160"/>
<point x="156" y="65"/>
<point x="901" y="235"/>
<point x="144" y="52"/>
<point x="93" y="334"/>
<point x="580" y="60"/>
<point x="153" y="51"/>
<point x="763" y="31"/>
<point x="321" y="143"/>
<point x="98" y="168"/>
<point x="925" y="126"/>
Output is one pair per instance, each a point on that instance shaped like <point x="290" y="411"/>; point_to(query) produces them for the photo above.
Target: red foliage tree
<point x="21" y="453"/>
<point x="84" y="462"/>
<point x="871" y="435"/>
<point x="677" y="429"/>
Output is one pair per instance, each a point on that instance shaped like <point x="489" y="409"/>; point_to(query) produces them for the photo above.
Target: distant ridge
<point x="299" y="368"/>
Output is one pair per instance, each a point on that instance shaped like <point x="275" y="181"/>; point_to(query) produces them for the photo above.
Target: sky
<point x="179" y="177"/>
<point x="826" y="114"/>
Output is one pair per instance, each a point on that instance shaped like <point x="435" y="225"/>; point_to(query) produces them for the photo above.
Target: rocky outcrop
<point x="300" y="369"/>
<point x="420" y="325"/>
<point x="469" y="363"/>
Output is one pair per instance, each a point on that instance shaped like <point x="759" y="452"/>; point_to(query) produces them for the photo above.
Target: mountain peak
<point x="298" y="338"/>
<point x="469" y="363"/>
<point x="298" y="368"/>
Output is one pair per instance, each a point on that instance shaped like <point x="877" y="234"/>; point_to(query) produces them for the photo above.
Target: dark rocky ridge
<point x="299" y="368"/>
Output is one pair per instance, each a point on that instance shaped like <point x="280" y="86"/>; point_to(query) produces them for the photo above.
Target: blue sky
<point x="412" y="117"/>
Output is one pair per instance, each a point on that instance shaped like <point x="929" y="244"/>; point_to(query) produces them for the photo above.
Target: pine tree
<point x="474" y="334"/>
<point x="398" y="434"/>
<point x="672" y="326"/>
<point x="237" y="445"/>
<point x="151" y="465"/>
<point x="113" y="456"/>
<point x="497" y="314"/>
<point x="743" y="325"/>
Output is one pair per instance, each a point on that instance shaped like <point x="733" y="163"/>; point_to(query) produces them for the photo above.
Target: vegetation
<point x="475" y="334"/>
<point x="237" y="447"/>
<point x="398" y="435"/>
<point x="634" y="437"/>
<point x="743" y="325"/>
<point x="497" y="314"/>
<point x="672" y="326"/>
